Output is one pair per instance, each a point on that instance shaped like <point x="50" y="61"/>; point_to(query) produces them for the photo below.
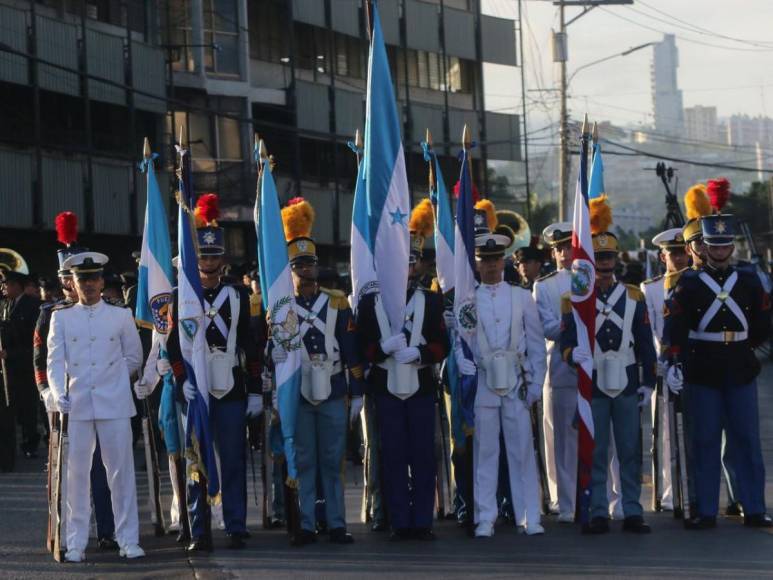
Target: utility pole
<point x="525" y="125"/>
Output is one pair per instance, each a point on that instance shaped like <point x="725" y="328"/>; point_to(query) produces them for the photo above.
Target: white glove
<point x="533" y="394"/>
<point x="278" y="354"/>
<point x="189" y="391"/>
<point x="645" y="393"/>
<point x="163" y="366"/>
<point x="355" y="409"/>
<point x="47" y="396"/>
<point x="63" y="404"/>
<point x="254" y="405"/>
<point x="467" y="367"/>
<point x="675" y="379"/>
<point x="450" y="319"/>
<point x="142" y="389"/>
<point x="407" y="355"/>
<point x="580" y="355"/>
<point x="661" y="368"/>
<point x="394" y="343"/>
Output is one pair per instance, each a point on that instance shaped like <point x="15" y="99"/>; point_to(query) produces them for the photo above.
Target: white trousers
<point x="559" y="412"/>
<point x="514" y="421"/>
<point x="664" y="452"/>
<point x="115" y="441"/>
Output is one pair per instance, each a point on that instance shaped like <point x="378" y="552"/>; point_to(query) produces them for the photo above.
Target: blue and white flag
<point x="279" y="299"/>
<point x="596" y="183"/>
<point x="155" y="277"/>
<point x="444" y="224"/>
<point x="464" y="287"/>
<point x="199" y="448"/>
<point x="380" y="239"/>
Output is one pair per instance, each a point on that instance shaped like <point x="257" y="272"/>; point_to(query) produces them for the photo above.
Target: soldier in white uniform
<point x="559" y="394"/>
<point x="656" y="290"/>
<point x="93" y="348"/>
<point x="509" y="353"/>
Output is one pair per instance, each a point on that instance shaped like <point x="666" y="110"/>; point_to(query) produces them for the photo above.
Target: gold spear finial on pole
<point x="146" y="153"/>
<point x="428" y="139"/>
<point x="181" y="139"/>
<point x="585" y="125"/>
<point x="358" y="139"/>
<point x="466" y="138"/>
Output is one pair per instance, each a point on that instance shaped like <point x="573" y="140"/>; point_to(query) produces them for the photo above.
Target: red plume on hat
<point x="207" y="210"/>
<point x="718" y="191"/>
<point x="475" y="193"/>
<point x="66" y="228"/>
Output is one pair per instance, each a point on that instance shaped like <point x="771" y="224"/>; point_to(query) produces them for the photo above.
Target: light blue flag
<point x="279" y="297"/>
<point x="199" y="447"/>
<point x="380" y="239"/>
<point x="155" y="277"/>
<point x="596" y="185"/>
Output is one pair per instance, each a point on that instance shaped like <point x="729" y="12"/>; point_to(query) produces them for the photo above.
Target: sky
<point x="736" y="77"/>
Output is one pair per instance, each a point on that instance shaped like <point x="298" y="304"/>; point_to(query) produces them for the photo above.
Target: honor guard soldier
<point x="403" y="383"/>
<point x="528" y="260"/>
<point x="235" y="389"/>
<point x="509" y="357"/>
<point x="559" y="394"/>
<point x="330" y="347"/>
<point x="67" y="231"/>
<point x="715" y="319"/>
<point x="623" y="349"/>
<point x="656" y="290"/>
<point x="93" y="348"/>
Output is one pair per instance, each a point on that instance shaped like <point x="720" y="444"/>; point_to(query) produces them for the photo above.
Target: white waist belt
<point x="725" y="336"/>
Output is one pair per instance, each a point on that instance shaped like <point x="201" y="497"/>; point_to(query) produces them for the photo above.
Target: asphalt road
<point x="730" y="551"/>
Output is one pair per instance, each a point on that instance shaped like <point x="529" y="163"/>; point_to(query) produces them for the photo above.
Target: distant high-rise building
<point x="700" y="123"/>
<point x="743" y="130"/>
<point x="666" y="96"/>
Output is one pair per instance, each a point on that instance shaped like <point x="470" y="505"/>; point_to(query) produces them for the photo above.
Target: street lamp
<point x="606" y="58"/>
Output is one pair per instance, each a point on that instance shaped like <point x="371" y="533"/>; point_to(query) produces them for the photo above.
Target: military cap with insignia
<point x="209" y="233"/>
<point x="669" y="239"/>
<point x="557" y="233"/>
<point x="298" y="219"/>
<point x="86" y="265"/>
<point x="491" y="239"/>
<point x="604" y="241"/>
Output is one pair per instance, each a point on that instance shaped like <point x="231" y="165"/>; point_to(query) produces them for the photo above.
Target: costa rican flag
<point x="584" y="311"/>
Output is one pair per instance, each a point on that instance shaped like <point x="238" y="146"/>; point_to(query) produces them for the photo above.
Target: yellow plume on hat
<point x="422" y="220"/>
<point x="491" y="213"/>
<point x="696" y="202"/>
<point x="600" y="215"/>
<point x="297" y="218"/>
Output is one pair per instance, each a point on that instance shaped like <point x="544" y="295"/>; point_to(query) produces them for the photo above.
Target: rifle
<point x="679" y="459"/>
<point x="656" y="444"/>
<point x="3" y="368"/>
<point x="152" y="469"/>
<point x="59" y="495"/>
<point x="266" y="458"/>
<point x="541" y="468"/>
<point x="53" y="466"/>
<point x="445" y="496"/>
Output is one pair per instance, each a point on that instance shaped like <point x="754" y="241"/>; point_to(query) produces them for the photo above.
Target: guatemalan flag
<point x="279" y="301"/>
<point x="584" y="312"/>
<point x="464" y="284"/>
<point x="193" y="341"/>
<point x="380" y="240"/>
<point x="155" y="279"/>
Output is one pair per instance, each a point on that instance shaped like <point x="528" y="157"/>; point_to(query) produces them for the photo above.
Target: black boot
<point x="597" y="525"/>
<point x="303" y="538"/>
<point x="341" y="536"/>
<point x="202" y="544"/>
<point x="701" y="523"/>
<point x="762" y="520"/>
<point x="636" y="525"/>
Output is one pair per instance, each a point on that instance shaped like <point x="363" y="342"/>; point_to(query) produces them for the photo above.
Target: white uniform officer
<point x="93" y="348"/>
<point x="509" y="356"/>
<point x="559" y="394"/>
<point x="656" y="290"/>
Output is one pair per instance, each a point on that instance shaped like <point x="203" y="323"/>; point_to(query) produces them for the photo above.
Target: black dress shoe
<point x="183" y="537"/>
<point x="701" y="523"/>
<point x="636" y="525"/>
<point x="322" y="528"/>
<point x="203" y="544"/>
<point x="734" y="510"/>
<point x="236" y="542"/>
<point x="758" y="521"/>
<point x="424" y="535"/>
<point x="341" y="536"/>
<point x="379" y="526"/>
<point x="303" y="538"/>
<point x="597" y="525"/>
<point x="107" y="544"/>
<point x="400" y="534"/>
<point x="275" y="524"/>
<point x="245" y="535"/>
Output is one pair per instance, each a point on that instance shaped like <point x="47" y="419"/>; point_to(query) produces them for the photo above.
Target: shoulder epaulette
<point x="566" y="303"/>
<point x="548" y="275"/>
<point x="116" y="303"/>
<point x="336" y="297"/>
<point x="654" y="279"/>
<point x="256" y="306"/>
<point x="62" y="306"/>
<point x="634" y="292"/>
<point x="435" y="287"/>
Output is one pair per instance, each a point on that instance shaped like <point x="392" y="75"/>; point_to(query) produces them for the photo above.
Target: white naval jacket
<point x="654" y="296"/>
<point x="92" y="350"/>
<point x="494" y="310"/>
<point x="547" y="294"/>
